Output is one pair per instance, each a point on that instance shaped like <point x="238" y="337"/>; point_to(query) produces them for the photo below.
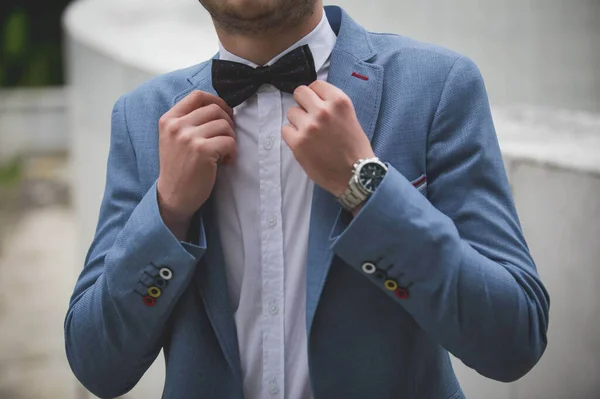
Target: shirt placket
<point x="269" y="122"/>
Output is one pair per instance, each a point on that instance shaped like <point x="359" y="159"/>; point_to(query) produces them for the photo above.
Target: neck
<point x="261" y="47"/>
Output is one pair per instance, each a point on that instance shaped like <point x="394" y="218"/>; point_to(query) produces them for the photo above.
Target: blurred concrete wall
<point x="542" y="52"/>
<point x="32" y="120"/>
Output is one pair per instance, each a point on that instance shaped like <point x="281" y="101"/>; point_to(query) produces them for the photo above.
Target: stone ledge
<point x="557" y="138"/>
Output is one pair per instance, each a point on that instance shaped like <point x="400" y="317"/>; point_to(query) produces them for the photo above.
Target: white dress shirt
<point x="263" y="207"/>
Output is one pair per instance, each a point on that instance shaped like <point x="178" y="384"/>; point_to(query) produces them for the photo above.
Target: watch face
<point x="371" y="176"/>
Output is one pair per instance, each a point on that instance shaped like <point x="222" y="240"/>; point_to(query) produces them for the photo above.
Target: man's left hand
<point x="325" y="136"/>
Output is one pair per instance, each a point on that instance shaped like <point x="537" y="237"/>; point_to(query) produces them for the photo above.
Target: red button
<point x="401" y="293"/>
<point x="149" y="301"/>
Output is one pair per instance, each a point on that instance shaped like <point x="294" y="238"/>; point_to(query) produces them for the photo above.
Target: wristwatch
<point x="367" y="175"/>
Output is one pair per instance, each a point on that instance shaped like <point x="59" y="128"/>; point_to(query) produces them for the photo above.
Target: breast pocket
<point x="420" y="184"/>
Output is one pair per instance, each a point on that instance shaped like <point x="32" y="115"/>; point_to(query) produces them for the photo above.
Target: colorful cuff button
<point x="368" y="268"/>
<point x="165" y="273"/>
<point x="149" y="301"/>
<point x="380" y="275"/>
<point x="160" y="282"/>
<point x="401" y="293"/>
<point x="391" y="285"/>
<point x="154" y="292"/>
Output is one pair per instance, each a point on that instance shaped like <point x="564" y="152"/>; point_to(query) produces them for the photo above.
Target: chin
<point x="251" y="9"/>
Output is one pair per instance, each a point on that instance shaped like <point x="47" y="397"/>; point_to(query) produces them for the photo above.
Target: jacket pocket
<point x="420" y="184"/>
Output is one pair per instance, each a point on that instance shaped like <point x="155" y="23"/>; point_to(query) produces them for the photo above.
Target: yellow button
<point x="154" y="292"/>
<point x="391" y="285"/>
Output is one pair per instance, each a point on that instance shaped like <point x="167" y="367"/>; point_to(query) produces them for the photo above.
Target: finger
<point x="325" y="90"/>
<point x="206" y="114"/>
<point x="290" y="135"/>
<point x="307" y="99"/>
<point x="219" y="147"/>
<point x="197" y="99"/>
<point x="214" y="128"/>
<point x="297" y="117"/>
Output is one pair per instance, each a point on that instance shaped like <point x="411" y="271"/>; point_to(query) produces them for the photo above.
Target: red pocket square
<point x="420" y="183"/>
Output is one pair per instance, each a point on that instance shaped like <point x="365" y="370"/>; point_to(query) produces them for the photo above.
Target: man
<point x="229" y="234"/>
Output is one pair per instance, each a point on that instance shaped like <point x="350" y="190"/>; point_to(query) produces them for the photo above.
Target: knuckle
<point x="302" y="88"/>
<point x="301" y="141"/>
<point x="312" y="127"/>
<point x="231" y="143"/>
<point x="341" y="102"/>
<point x="218" y="125"/>
<point x="316" y="83"/>
<point x="322" y="114"/>
<point x="172" y="126"/>
<point x="199" y="145"/>
<point x="214" y="109"/>
<point x="224" y="125"/>
<point x="196" y="94"/>
<point x="163" y="121"/>
<point x="185" y="138"/>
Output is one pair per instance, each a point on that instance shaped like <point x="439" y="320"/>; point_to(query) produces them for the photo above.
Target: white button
<point x="272" y="221"/>
<point x="273" y="388"/>
<point x="166" y="273"/>
<point x="268" y="144"/>
<point x="273" y="309"/>
<point x="368" y="268"/>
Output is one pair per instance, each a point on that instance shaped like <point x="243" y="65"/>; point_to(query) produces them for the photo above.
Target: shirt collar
<point x="321" y="41"/>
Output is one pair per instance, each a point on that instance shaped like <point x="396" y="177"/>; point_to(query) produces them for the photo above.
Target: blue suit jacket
<point x="454" y="243"/>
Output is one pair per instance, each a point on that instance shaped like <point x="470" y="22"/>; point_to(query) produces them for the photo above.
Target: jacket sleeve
<point x="459" y="257"/>
<point x="113" y="327"/>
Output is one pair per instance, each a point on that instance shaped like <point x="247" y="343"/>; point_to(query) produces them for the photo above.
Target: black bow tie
<point x="236" y="82"/>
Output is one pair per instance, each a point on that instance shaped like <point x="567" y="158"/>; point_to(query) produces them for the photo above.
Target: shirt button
<point x="273" y="388"/>
<point x="273" y="308"/>
<point x="268" y="144"/>
<point x="272" y="221"/>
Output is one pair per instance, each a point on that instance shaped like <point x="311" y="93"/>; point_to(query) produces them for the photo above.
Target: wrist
<point x="357" y="209"/>
<point x="175" y="221"/>
<point x="178" y="226"/>
<point x="367" y="174"/>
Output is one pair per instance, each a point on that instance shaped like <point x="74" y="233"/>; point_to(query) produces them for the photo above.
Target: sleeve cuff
<point x="356" y="240"/>
<point x="196" y="247"/>
<point x="144" y="246"/>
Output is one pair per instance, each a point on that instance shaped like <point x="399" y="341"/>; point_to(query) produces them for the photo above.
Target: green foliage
<point x="11" y="173"/>
<point x="30" y="43"/>
<point x="15" y="33"/>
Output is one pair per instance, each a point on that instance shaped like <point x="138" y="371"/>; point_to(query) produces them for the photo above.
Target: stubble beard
<point x="289" y="13"/>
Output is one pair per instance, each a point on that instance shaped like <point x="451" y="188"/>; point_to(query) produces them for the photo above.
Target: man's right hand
<point x="194" y="136"/>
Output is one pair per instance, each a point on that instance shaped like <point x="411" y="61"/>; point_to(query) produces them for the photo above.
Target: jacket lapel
<point x="212" y="283"/>
<point x="363" y="83"/>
